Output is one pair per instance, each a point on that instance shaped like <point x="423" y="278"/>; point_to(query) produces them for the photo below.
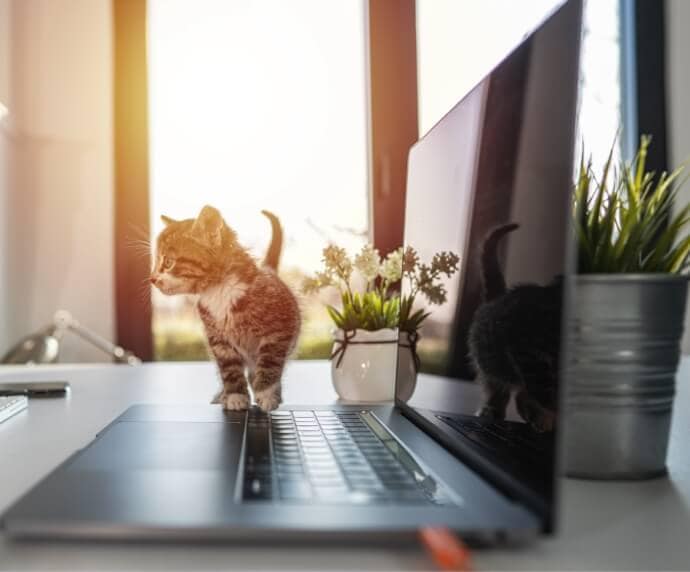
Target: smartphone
<point x="34" y="388"/>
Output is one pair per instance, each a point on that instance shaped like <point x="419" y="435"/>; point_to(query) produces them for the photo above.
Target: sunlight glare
<point x="261" y="105"/>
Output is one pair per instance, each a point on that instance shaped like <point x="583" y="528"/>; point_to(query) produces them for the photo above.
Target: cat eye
<point x="167" y="263"/>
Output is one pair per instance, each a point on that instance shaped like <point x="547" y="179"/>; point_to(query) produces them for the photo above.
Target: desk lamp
<point x="44" y="345"/>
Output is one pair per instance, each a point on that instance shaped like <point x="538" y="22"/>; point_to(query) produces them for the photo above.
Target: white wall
<point x="5" y="58"/>
<point x="678" y="94"/>
<point x="56" y="222"/>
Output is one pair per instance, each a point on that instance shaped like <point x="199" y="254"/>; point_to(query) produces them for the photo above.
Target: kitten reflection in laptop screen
<point x="514" y="342"/>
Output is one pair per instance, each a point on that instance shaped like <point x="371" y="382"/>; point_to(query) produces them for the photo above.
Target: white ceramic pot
<point x="363" y="365"/>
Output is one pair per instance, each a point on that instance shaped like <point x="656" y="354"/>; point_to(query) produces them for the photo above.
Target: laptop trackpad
<point x="164" y="446"/>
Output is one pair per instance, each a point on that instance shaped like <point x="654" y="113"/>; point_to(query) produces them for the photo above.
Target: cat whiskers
<point x="139" y="231"/>
<point x="140" y="246"/>
<point x="145" y="291"/>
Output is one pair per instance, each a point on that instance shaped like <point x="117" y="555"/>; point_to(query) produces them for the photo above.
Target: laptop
<point x="491" y="182"/>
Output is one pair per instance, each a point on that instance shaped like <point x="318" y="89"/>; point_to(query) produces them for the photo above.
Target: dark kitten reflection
<point x="514" y="342"/>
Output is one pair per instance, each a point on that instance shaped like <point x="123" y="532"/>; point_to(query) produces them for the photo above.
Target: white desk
<point x="644" y="525"/>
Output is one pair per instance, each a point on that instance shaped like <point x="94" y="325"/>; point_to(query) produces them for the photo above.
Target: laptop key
<point x="366" y="485"/>
<point x="368" y="497"/>
<point x="256" y="489"/>
<point x="410" y="496"/>
<point x="297" y="497"/>
<point x="317" y="453"/>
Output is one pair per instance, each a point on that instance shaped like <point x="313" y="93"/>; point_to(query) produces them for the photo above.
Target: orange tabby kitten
<point x="251" y="317"/>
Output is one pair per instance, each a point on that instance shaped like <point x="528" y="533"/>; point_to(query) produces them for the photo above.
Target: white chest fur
<point x="219" y="300"/>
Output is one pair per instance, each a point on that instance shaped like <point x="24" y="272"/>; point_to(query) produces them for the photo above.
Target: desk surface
<point x="629" y="526"/>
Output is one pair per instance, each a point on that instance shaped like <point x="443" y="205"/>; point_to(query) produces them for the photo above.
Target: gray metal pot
<point x="625" y="333"/>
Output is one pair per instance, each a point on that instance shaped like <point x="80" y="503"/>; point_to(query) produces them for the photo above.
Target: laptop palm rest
<point x="156" y="473"/>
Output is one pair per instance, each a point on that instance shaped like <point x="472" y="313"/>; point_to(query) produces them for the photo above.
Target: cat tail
<point x="272" y="257"/>
<point x="494" y="284"/>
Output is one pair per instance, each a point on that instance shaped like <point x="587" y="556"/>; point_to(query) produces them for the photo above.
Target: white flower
<point x="391" y="269"/>
<point x="337" y="262"/>
<point x="310" y="285"/>
<point x="368" y="262"/>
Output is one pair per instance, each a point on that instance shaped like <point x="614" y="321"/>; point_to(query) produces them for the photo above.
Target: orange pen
<point x="446" y="550"/>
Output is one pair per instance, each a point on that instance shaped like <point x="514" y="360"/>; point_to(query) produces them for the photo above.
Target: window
<point x="458" y="41"/>
<point x="258" y="105"/>
<point x="600" y="114"/>
<point x="306" y="108"/>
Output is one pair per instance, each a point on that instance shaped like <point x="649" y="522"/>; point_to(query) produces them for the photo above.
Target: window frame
<point x="648" y="85"/>
<point x="133" y="314"/>
<point x="393" y="108"/>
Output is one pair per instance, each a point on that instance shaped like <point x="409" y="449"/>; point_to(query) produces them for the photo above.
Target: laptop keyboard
<point x="499" y="437"/>
<point x="329" y="457"/>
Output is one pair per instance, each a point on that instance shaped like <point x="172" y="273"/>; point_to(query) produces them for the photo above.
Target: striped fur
<point x="251" y="317"/>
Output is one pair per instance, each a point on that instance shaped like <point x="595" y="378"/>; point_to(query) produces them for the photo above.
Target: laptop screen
<point x="491" y="185"/>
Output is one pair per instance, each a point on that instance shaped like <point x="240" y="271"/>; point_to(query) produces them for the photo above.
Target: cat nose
<point x="154" y="280"/>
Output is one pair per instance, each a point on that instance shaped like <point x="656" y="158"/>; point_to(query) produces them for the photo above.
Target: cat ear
<point x="167" y="220"/>
<point x="208" y="224"/>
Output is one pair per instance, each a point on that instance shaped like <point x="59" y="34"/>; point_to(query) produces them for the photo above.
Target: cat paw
<point x="490" y="413"/>
<point x="268" y="400"/>
<point x="545" y="422"/>
<point x="236" y="402"/>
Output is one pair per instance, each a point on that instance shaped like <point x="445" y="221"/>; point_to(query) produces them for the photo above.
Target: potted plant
<point x="369" y="318"/>
<point x="628" y="309"/>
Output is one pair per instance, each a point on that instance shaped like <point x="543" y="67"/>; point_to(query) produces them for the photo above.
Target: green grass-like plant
<point x="627" y="224"/>
<point x="367" y="311"/>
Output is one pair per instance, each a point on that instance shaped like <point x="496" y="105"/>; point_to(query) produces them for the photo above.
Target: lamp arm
<point x="65" y="322"/>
